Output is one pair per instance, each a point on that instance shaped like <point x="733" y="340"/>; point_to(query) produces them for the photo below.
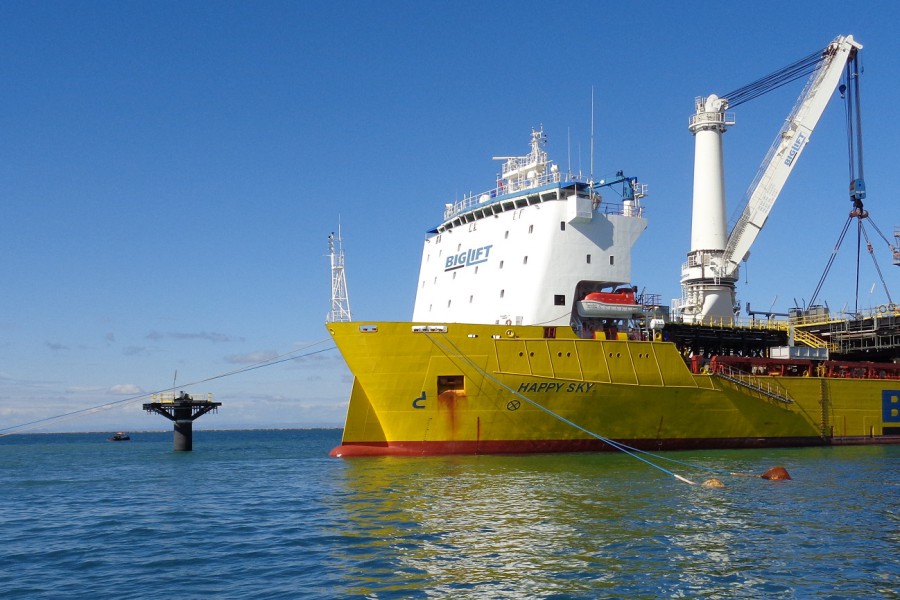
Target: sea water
<point x="267" y="514"/>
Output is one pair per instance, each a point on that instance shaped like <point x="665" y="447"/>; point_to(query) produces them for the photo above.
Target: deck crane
<point x="850" y="91"/>
<point x="708" y="277"/>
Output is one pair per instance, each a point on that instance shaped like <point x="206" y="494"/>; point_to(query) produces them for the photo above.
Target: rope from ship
<point x="618" y="446"/>
<point x="285" y="357"/>
<point x="773" y="473"/>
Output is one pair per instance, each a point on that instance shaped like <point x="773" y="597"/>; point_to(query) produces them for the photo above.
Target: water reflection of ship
<point x="515" y="526"/>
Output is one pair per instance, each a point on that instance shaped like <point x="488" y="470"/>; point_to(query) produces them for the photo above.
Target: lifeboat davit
<point x="618" y="304"/>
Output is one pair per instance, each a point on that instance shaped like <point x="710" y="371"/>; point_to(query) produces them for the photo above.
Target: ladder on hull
<point x="767" y="387"/>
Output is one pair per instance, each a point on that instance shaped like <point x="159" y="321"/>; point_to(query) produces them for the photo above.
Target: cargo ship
<point x="528" y="335"/>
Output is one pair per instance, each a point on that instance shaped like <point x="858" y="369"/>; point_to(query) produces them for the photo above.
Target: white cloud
<point x="252" y="358"/>
<point x="210" y="336"/>
<point x="126" y="389"/>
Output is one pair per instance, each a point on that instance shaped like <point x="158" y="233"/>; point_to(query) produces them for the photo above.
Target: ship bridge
<point x="522" y="251"/>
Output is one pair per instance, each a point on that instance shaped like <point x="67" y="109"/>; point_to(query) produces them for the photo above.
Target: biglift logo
<point x="466" y="258"/>
<point x="890" y="407"/>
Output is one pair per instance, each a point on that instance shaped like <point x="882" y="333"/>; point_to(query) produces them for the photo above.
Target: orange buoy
<point x="776" y="474"/>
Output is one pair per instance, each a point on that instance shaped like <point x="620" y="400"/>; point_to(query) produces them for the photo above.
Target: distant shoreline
<point x="139" y="431"/>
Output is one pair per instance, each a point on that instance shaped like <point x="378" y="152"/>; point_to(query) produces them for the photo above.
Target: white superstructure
<point x="527" y="250"/>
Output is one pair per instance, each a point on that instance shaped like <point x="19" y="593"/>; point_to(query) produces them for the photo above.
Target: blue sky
<point x="170" y="172"/>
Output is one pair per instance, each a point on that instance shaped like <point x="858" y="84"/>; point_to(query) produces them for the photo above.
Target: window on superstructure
<point x="502" y="293"/>
<point x="435" y="278"/>
<point x="559" y="299"/>
<point x="588" y="259"/>
<point x="476" y="269"/>
<point x="501" y="264"/>
<point x="448" y="303"/>
<point x="458" y="247"/>
<point x="562" y="225"/>
<point x="525" y="260"/>
<point x="612" y="260"/>
<point x="506" y="235"/>
<point x="470" y="299"/>
<point x="531" y="229"/>
<point x="454" y="274"/>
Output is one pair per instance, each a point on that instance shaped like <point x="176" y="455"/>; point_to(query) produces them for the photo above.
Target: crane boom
<point x="786" y="149"/>
<point x="709" y="275"/>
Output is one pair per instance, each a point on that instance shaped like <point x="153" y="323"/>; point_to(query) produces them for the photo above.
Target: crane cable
<point x="31" y="425"/>
<point x="834" y="252"/>
<point x="871" y="250"/>
<point x="796" y="70"/>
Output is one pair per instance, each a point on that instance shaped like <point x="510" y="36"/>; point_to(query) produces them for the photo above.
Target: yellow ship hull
<point x="461" y="388"/>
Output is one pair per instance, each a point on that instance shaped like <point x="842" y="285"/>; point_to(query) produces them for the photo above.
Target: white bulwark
<point x="526" y="251"/>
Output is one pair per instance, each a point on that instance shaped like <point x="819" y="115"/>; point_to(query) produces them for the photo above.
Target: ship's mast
<point x="708" y="290"/>
<point x="340" y="300"/>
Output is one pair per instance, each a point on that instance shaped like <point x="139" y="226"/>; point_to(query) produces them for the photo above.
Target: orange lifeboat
<point x="617" y="304"/>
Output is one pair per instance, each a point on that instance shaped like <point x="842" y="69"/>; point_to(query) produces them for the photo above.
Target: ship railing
<point x="171" y="397"/>
<point x="824" y="318"/>
<point x="813" y="341"/>
<point x="472" y="200"/>
<point x="628" y="209"/>
<point x="767" y="387"/>
<point x="678" y="304"/>
<point x="625" y="209"/>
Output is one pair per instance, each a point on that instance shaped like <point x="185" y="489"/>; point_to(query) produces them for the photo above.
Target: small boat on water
<point x="120" y="436"/>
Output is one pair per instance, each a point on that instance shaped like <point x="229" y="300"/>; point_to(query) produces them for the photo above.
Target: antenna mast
<point x="340" y="301"/>
<point x="592" y="135"/>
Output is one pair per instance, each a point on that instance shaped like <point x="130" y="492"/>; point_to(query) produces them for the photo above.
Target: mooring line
<point x="613" y="443"/>
<point x="630" y="450"/>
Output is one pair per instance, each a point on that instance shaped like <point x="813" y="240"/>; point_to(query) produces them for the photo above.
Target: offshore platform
<point x="182" y="410"/>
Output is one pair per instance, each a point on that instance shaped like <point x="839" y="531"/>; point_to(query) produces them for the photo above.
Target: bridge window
<point x="502" y="293"/>
<point x="559" y="300"/>
<point x="612" y="260"/>
<point x="562" y="225"/>
<point x="525" y="261"/>
<point x="588" y="259"/>
<point x="531" y="229"/>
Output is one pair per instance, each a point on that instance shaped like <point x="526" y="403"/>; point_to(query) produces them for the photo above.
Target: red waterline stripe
<point x="353" y="449"/>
